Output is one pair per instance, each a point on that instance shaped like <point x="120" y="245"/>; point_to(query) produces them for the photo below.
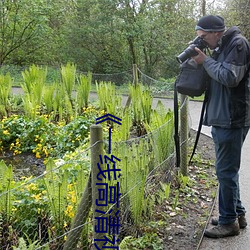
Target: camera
<point x="190" y="51"/>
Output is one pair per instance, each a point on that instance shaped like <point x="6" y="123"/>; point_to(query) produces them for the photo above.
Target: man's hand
<point x="200" y="58"/>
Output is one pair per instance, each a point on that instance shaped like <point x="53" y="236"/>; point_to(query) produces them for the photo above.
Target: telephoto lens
<point x="190" y="50"/>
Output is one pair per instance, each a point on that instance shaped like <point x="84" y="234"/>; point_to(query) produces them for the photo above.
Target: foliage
<point x="6" y="184"/>
<point x="22" y="245"/>
<point x="83" y="91"/>
<point x="109" y="100"/>
<point x="147" y="241"/>
<point x="236" y="13"/>
<point x="34" y="81"/>
<point x="30" y="205"/>
<point x="5" y="90"/>
<point x="105" y="36"/>
<point x="161" y="128"/>
<point x="23" y="28"/>
<point x="141" y="106"/>
<point x="51" y="200"/>
<point x="43" y="137"/>
<point x="68" y="74"/>
<point x="42" y="206"/>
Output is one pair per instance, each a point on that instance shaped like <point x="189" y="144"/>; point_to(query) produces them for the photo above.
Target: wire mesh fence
<point x="69" y="207"/>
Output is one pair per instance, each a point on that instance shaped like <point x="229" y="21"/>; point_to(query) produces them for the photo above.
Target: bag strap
<point x="199" y="127"/>
<point x="176" y="126"/>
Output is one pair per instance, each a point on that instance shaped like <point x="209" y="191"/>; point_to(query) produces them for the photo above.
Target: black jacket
<point x="229" y="90"/>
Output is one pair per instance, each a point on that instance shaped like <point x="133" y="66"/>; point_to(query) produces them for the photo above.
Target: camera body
<point x="190" y="51"/>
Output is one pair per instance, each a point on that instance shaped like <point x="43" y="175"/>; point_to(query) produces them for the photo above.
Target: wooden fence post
<point x="96" y="139"/>
<point x="135" y="74"/>
<point x="135" y="82"/>
<point x="80" y="218"/>
<point x="90" y="194"/>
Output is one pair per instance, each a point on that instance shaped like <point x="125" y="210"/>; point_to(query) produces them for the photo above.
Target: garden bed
<point x="179" y="221"/>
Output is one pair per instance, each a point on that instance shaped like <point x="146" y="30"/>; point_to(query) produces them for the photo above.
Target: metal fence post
<point x="96" y="140"/>
<point x="184" y="135"/>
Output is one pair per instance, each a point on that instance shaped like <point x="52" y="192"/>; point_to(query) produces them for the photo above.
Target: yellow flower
<point x="38" y="156"/>
<point x="45" y="151"/>
<point x="37" y="196"/>
<point x="31" y="187"/>
<point x="73" y="199"/>
<point x="14" y="209"/>
<point x="6" y="132"/>
<point x="69" y="211"/>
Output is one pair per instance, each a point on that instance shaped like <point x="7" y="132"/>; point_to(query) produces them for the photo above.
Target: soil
<point x="187" y="223"/>
<point x="25" y="164"/>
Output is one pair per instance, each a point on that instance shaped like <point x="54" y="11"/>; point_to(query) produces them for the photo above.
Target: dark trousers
<point x="228" y="145"/>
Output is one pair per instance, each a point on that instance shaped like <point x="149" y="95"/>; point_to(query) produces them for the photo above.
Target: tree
<point x="237" y="13"/>
<point x="20" y="22"/>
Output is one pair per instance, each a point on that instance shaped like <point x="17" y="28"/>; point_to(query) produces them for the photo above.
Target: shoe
<point x="241" y="219"/>
<point x="221" y="231"/>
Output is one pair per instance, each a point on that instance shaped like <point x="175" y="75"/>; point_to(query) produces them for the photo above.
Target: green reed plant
<point x="122" y="132"/>
<point x="146" y="101"/>
<point x="68" y="74"/>
<point x="109" y="100"/>
<point x="33" y="85"/>
<point x="83" y="90"/>
<point x="5" y="90"/>
<point x="48" y="98"/>
<point x="141" y="103"/>
<point x="56" y="184"/>
<point x="104" y="91"/>
<point x="135" y="158"/>
<point x="161" y="132"/>
<point x="135" y="92"/>
<point x="62" y="105"/>
<point x="6" y="184"/>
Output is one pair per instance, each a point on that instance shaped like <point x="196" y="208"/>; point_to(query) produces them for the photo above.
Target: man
<point x="228" y="112"/>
